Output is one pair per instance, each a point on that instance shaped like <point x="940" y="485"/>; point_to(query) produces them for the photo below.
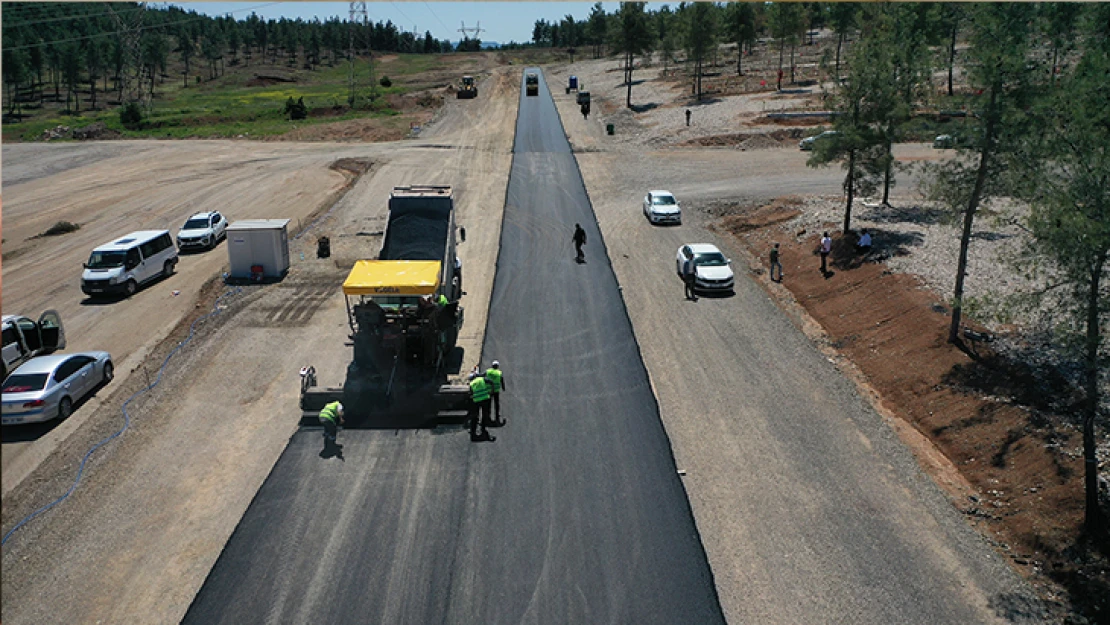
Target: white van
<point x="124" y="264"/>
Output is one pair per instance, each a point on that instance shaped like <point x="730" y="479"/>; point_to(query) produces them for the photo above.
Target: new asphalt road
<point x="575" y="514"/>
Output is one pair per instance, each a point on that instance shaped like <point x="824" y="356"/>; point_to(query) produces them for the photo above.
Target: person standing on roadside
<point x="687" y="117"/>
<point x="775" y="264"/>
<point x="826" y="249"/>
<point x="579" y="241"/>
<point x="330" y="417"/>
<point x="496" y="380"/>
<point x="689" y="276"/>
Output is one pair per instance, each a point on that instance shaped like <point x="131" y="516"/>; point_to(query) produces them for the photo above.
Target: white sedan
<point x="48" y="387"/>
<point x="660" y="207"/>
<point x="712" y="270"/>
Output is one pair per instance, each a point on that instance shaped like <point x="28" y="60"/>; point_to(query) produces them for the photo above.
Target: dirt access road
<point x="157" y="505"/>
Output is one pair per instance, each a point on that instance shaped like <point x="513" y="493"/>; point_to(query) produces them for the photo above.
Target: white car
<point x="712" y="270"/>
<point x="807" y="143"/>
<point x="48" y="387"/>
<point x="24" y="339"/>
<point x="202" y="231"/>
<point x="660" y="207"/>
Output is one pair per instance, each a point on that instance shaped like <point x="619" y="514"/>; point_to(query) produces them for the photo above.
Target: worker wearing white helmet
<point x="331" y="417"/>
<point x="496" y="380"/>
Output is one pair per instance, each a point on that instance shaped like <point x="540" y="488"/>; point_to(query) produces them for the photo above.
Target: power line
<point x="438" y="20"/>
<point x="68" y="17"/>
<point x="113" y="34"/>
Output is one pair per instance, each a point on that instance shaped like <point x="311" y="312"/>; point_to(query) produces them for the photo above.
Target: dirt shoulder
<point x="1012" y="468"/>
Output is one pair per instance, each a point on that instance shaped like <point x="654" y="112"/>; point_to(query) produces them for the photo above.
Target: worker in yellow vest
<point x="330" y="417"/>
<point x="496" y="380"/>
<point x="479" y="408"/>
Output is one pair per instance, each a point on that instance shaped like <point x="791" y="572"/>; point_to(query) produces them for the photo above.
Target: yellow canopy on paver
<point x="393" y="277"/>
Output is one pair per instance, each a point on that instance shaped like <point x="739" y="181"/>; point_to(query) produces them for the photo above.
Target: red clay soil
<point x="1012" y="467"/>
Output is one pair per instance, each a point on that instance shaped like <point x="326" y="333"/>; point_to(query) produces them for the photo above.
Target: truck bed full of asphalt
<point x="575" y="514"/>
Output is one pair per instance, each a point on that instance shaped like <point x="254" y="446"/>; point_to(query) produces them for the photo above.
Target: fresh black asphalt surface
<point x="575" y="514"/>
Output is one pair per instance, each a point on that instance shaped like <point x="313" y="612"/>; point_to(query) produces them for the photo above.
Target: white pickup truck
<point x="24" y="339"/>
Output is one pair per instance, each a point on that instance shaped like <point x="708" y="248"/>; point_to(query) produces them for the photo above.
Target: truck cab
<point x="532" y="83"/>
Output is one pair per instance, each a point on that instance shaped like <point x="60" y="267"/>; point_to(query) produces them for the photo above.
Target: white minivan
<point x="126" y="263"/>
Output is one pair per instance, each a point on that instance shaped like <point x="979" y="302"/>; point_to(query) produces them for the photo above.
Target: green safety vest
<point x="494" y="377"/>
<point x="331" y="412"/>
<point x="442" y="300"/>
<point x="479" y="390"/>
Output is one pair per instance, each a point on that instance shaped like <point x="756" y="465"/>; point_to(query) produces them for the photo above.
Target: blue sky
<point x="501" y="21"/>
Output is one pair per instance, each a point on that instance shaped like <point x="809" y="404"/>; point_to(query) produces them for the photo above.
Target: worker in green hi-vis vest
<point x="330" y="417"/>
<point x="479" y="407"/>
<point x="496" y="380"/>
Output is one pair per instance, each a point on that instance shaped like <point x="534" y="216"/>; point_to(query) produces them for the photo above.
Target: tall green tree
<point x="187" y="49"/>
<point x="700" y="38"/>
<point x="786" y="22"/>
<point x="859" y="103"/>
<point x="597" y="25"/>
<point x="998" y="71"/>
<point x="740" y="29"/>
<point x="1058" y="20"/>
<point x="843" y="16"/>
<point x="1067" y="180"/>
<point x="632" y="37"/>
<point x="71" y="74"/>
<point x="953" y="14"/>
<point x="94" y="64"/>
<point x="15" y="69"/>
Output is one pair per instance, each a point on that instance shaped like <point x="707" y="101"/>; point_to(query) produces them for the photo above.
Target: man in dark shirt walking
<point x="579" y="241"/>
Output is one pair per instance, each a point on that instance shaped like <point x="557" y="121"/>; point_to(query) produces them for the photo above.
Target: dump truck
<point x="404" y="316"/>
<point x="467" y="89"/>
<point x="532" y="84"/>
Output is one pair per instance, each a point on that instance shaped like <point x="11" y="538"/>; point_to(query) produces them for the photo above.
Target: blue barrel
<point x="573" y="82"/>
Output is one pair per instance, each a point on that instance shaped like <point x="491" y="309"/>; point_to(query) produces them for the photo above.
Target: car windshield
<point x="712" y="259"/>
<point x="196" y="224"/>
<point x="663" y="200"/>
<point x="106" y="260"/>
<point x="25" y="382"/>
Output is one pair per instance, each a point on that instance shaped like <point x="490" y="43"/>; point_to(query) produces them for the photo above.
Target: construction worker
<point x="496" y="380"/>
<point x="330" y="417"/>
<point x="442" y="300"/>
<point x="579" y="241"/>
<point x="479" y="408"/>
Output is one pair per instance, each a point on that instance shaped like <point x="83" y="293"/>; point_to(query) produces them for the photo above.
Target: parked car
<point x="660" y="207"/>
<point x="122" y="265"/>
<point x="24" y="339"/>
<point x="47" y="387"/>
<point x="947" y="142"/>
<point x="712" y="270"/>
<point x="807" y="143"/>
<point x="202" y="231"/>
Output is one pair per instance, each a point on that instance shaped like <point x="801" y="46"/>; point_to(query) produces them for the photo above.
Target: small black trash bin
<point x="609" y="129"/>
<point x="323" y="247"/>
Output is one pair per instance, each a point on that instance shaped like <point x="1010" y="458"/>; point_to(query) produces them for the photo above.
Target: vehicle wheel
<point x="131" y="287"/>
<point x="109" y="372"/>
<point x="167" y="269"/>
<point x="65" y="408"/>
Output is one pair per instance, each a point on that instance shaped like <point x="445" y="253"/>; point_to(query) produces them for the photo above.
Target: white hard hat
<point x="496" y="364"/>
<point x="339" y="409"/>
